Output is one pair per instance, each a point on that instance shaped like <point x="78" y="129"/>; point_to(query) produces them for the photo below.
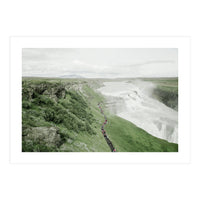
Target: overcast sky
<point x="100" y="63"/>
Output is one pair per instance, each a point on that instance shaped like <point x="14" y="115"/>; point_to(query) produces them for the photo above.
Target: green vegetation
<point x="166" y="91"/>
<point x="61" y="115"/>
<point x="134" y="139"/>
<point x="46" y="104"/>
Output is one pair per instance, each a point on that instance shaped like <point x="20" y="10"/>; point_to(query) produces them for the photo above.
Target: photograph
<point x="99" y="100"/>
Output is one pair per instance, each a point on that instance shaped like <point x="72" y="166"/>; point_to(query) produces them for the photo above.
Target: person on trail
<point x="104" y="132"/>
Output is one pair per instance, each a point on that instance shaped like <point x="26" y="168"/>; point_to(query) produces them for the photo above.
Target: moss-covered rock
<point x="40" y="138"/>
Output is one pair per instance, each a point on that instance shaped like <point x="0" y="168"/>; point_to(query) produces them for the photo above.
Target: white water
<point x="132" y="102"/>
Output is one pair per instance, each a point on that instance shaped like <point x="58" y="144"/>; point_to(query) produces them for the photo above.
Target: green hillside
<point x="166" y="91"/>
<point x="62" y="115"/>
<point x="129" y="138"/>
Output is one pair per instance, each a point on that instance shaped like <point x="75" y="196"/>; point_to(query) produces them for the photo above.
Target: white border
<point x="16" y="45"/>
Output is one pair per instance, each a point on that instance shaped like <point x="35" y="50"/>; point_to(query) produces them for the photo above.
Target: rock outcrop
<point x="47" y="136"/>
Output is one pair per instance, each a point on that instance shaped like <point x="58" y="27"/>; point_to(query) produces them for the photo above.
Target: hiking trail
<point x="104" y="132"/>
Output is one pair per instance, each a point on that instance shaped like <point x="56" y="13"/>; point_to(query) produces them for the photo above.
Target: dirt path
<point x="104" y="132"/>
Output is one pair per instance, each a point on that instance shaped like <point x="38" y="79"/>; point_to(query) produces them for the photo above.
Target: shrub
<point x="43" y="100"/>
<point x="26" y="104"/>
<point x="49" y="115"/>
<point x="70" y="113"/>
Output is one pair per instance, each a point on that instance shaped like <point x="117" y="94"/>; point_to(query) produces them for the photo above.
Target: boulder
<point x="43" y="135"/>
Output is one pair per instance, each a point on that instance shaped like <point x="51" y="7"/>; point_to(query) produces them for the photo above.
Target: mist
<point x="133" y="102"/>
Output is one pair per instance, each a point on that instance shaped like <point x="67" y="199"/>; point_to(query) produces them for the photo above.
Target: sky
<point x="100" y="62"/>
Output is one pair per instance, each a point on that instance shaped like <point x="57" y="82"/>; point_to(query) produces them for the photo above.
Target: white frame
<point x="183" y="45"/>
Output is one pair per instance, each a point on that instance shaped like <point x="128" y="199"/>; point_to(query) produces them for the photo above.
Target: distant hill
<point x="71" y="76"/>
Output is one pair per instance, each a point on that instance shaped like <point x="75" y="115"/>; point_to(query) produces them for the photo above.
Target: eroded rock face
<point x="53" y="91"/>
<point x="43" y="135"/>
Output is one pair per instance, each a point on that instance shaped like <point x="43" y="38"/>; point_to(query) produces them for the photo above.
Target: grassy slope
<point x="41" y="111"/>
<point x="126" y="137"/>
<point x="129" y="138"/>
